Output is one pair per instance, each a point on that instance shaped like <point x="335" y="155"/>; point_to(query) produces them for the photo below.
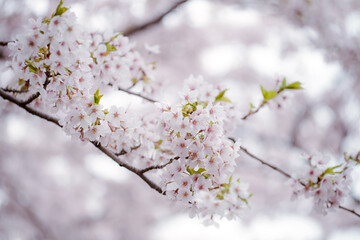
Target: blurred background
<point x="54" y="187"/>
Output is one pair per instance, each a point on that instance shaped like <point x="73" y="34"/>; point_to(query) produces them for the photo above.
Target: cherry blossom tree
<point x="190" y="143"/>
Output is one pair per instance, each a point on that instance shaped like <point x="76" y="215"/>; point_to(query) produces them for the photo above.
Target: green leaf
<point x="271" y="95"/>
<point x="220" y="97"/>
<point x="191" y="171"/>
<point x="32" y="67"/>
<point x="110" y="47"/>
<point x="60" y="10"/>
<point x="158" y="143"/>
<point x="46" y="20"/>
<point x="330" y="171"/>
<point x="220" y="196"/>
<point x="221" y="94"/>
<point x="264" y="92"/>
<point x="268" y="94"/>
<point x="200" y="170"/>
<point x="97" y="97"/>
<point x="251" y="105"/>
<point x="115" y="36"/>
<point x="224" y="99"/>
<point x="295" y="85"/>
<point x="283" y="85"/>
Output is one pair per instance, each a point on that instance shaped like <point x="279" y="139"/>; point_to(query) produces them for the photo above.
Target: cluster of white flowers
<point x="63" y="69"/>
<point x="193" y="135"/>
<point x="327" y="184"/>
<point x="66" y="66"/>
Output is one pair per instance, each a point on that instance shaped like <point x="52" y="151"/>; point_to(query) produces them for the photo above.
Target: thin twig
<point x="127" y="166"/>
<point x="349" y="210"/>
<point x="158" y="166"/>
<point x="137" y="94"/>
<point x="263" y="103"/>
<point x="251" y="112"/>
<point x="31" y="98"/>
<point x="265" y="163"/>
<point x="14" y="90"/>
<point x="288" y="176"/>
<point x="134" y="29"/>
<point x="123" y="152"/>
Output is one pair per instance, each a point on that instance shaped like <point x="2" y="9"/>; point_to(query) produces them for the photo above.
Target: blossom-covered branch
<point x="66" y="71"/>
<point x="304" y="184"/>
<point x="139" y="172"/>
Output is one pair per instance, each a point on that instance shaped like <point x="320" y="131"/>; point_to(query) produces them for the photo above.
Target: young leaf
<point x="264" y="92"/>
<point x="283" y="85"/>
<point x="110" y="47"/>
<point x="224" y="99"/>
<point x="97" y="97"/>
<point x="31" y="66"/>
<point x="271" y="95"/>
<point x="220" y="97"/>
<point x="295" y="85"/>
<point x="268" y="94"/>
<point x="60" y="10"/>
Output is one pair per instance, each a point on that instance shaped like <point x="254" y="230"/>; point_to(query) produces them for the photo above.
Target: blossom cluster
<point x="203" y="157"/>
<point x="67" y="67"/>
<point x="327" y="184"/>
<point x="68" y="71"/>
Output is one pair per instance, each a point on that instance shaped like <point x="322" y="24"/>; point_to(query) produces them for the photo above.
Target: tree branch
<point x="49" y="118"/>
<point x="14" y="90"/>
<point x="23" y="105"/>
<point x="127" y="166"/>
<point x="251" y="112"/>
<point x="137" y="94"/>
<point x="4" y="43"/>
<point x="287" y="175"/>
<point x="158" y="166"/>
<point x="135" y="29"/>
<point x="139" y="172"/>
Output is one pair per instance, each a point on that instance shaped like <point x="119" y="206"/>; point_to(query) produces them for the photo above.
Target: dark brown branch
<point x="265" y="163"/>
<point x="349" y="210"/>
<point x="127" y="166"/>
<point x="96" y="144"/>
<point x="123" y="152"/>
<point x="134" y="29"/>
<point x="21" y="104"/>
<point x="137" y="94"/>
<point x="14" y="90"/>
<point x="31" y="98"/>
<point x="35" y="95"/>
<point x="158" y="166"/>
<point x="288" y="175"/>
<point x="4" y="43"/>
